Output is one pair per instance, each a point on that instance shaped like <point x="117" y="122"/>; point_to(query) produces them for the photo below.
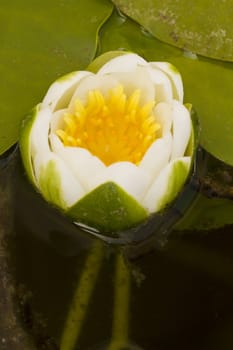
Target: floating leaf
<point x="204" y="27"/>
<point x="41" y="41"/>
<point x="208" y="85"/>
<point x="207" y="213"/>
<point x="207" y="82"/>
<point x="120" y="33"/>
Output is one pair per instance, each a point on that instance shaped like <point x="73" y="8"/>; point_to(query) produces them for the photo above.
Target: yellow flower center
<point x="113" y="128"/>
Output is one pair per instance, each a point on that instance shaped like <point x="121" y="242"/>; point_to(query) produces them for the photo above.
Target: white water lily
<point x="112" y="146"/>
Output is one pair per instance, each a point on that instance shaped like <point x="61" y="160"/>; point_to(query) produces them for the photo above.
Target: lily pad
<point x="40" y="41"/>
<point x="121" y="33"/>
<point x="207" y="213"/>
<point x="208" y="86"/>
<point x="207" y="82"/>
<point x="204" y="27"/>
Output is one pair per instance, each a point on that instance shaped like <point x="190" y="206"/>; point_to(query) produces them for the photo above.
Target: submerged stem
<point x="120" y="328"/>
<point x="81" y="298"/>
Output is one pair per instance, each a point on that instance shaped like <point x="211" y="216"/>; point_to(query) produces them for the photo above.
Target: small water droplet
<point x="121" y="14"/>
<point x="145" y="32"/>
<point x="190" y="54"/>
<point x="122" y="49"/>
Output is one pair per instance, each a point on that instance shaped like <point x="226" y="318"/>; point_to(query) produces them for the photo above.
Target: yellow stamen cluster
<point x="113" y="128"/>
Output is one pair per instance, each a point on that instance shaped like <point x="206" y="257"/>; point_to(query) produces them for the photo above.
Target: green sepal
<point x="176" y="180"/>
<point x="24" y="142"/>
<point x="108" y="208"/>
<point x="195" y="131"/>
<point x="50" y="184"/>
<point x="180" y="171"/>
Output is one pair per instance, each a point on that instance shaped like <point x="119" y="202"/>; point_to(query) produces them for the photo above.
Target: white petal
<point x="181" y="129"/>
<point x="57" y="120"/>
<point x="60" y="92"/>
<point x="38" y="161"/>
<point x="79" y="160"/>
<point x="167" y="185"/>
<point x="137" y="79"/>
<point x="125" y="174"/>
<point x="163" y="115"/>
<point x="174" y="76"/>
<point x="123" y="63"/>
<point x="157" y="156"/>
<point x="93" y="82"/>
<point x="59" y="185"/>
<point x="163" y="87"/>
<point x="40" y="131"/>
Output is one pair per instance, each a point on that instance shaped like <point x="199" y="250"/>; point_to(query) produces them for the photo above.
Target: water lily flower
<point x="113" y="144"/>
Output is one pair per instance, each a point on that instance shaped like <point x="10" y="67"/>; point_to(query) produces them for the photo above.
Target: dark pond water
<point x="181" y="295"/>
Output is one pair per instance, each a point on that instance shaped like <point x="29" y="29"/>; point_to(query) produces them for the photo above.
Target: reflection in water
<point x="12" y="334"/>
<point x="181" y="294"/>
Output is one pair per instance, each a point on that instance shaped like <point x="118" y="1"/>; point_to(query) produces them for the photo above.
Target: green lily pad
<point x="207" y="213"/>
<point x="108" y="208"/>
<point x="41" y="41"/>
<point x="203" y="27"/>
<point x="207" y="83"/>
<point x="208" y="86"/>
<point x="121" y="33"/>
